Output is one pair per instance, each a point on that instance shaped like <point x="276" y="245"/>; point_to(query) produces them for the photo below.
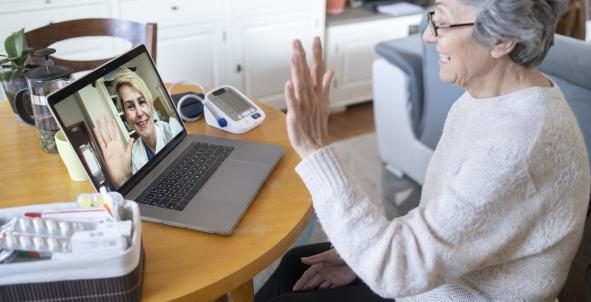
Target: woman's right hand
<point x="327" y="270"/>
<point x="117" y="159"/>
<point x="306" y="97"/>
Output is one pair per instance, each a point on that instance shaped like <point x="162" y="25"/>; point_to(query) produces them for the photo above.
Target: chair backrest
<point x="134" y="32"/>
<point x="568" y="63"/>
<point x="438" y="97"/>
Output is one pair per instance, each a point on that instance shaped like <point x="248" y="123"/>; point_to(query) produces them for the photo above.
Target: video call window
<point x="120" y="122"/>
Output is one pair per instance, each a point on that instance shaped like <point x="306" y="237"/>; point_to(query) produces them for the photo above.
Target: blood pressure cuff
<point x="191" y="107"/>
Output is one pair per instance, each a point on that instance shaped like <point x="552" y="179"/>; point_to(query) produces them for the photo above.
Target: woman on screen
<point x="135" y="99"/>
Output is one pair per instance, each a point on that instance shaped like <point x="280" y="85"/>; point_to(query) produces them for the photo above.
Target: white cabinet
<point x="350" y="52"/>
<point x="192" y="53"/>
<point x="243" y="43"/>
<point x="261" y="49"/>
<point x="191" y="34"/>
<point x="246" y="44"/>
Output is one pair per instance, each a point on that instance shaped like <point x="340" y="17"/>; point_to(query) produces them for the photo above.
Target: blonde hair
<point x="127" y="77"/>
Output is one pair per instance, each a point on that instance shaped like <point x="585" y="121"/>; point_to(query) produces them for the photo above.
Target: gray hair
<point x="531" y="23"/>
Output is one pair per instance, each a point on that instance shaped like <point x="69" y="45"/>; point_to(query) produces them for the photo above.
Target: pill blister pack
<point x="40" y="234"/>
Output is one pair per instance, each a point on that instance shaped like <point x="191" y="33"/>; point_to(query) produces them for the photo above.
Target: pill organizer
<point x="112" y="275"/>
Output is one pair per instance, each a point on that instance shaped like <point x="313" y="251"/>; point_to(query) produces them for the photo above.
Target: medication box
<point x="112" y="275"/>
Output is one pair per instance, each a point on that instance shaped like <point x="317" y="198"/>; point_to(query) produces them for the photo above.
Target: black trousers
<point x="278" y="287"/>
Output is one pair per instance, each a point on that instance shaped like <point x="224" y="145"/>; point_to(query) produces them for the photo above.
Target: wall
<point x="94" y="104"/>
<point x="70" y="111"/>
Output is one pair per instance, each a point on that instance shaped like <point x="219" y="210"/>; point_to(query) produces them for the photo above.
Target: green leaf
<point x="4" y="76"/>
<point x="15" y="43"/>
<point x="10" y="59"/>
<point x="10" y="65"/>
<point x="21" y="61"/>
<point x="15" y="74"/>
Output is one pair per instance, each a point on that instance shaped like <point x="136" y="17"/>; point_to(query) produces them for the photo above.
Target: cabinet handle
<point x="174" y="7"/>
<point x="238" y="68"/>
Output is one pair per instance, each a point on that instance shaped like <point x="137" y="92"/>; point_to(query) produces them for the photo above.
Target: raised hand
<point x="327" y="270"/>
<point x="307" y="101"/>
<point x="117" y="158"/>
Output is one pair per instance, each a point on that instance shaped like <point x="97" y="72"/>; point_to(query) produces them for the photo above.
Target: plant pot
<point x="335" y="7"/>
<point x="18" y="96"/>
<point x="12" y="88"/>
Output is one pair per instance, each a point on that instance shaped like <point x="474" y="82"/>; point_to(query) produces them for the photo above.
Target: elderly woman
<point x="506" y="192"/>
<point x="136" y="101"/>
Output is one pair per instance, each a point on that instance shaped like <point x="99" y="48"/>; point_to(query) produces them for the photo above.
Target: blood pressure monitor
<point x="228" y="109"/>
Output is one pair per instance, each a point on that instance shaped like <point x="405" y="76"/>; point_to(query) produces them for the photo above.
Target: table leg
<point x="223" y="298"/>
<point x="243" y="293"/>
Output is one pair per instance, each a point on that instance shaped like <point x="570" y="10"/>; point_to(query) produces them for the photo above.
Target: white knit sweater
<point x="501" y="213"/>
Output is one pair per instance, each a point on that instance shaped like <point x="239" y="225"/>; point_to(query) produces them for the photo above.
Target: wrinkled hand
<point x="307" y="101"/>
<point x="117" y="159"/>
<point x="327" y="270"/>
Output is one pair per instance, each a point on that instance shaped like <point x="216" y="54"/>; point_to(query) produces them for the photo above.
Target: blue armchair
<point x="411" y="103"/>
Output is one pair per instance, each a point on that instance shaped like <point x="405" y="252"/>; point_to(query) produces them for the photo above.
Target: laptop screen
<point x="119" y="120"/>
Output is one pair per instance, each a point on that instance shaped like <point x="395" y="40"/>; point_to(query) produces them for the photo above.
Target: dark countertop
<point x="354" y="15"/>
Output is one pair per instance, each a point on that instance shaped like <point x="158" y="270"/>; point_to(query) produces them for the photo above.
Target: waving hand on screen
<point x="117" y="158"/>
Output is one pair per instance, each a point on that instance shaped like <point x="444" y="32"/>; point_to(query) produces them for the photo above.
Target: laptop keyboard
<point x="175" y="188"/>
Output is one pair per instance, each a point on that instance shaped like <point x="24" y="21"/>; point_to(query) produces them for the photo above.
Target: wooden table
<point x="181" y="264"/>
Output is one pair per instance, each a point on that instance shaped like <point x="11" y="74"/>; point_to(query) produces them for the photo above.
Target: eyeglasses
<point x="434" y="27"/>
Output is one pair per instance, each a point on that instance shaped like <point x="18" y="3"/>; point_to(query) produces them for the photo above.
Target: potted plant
<point x="12" y="66"/>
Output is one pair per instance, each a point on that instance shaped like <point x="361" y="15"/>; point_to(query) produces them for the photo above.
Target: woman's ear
<point x="502" y="48"/>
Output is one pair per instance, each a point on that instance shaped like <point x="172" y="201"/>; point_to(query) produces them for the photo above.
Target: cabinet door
<point x="190" y="37"/>
<point x="350" y="53"/>
<point x="35" y="14"/>
<point x="261" y="48"/>
<point x="241" y="7"/>
<point x="191" y="52"/>
<point x="171" y="11"/>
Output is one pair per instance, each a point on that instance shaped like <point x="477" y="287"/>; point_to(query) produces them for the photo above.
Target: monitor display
<point x="120" y="122"/>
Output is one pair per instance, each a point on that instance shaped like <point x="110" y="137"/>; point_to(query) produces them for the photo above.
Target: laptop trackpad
<point x="235" y="181"/>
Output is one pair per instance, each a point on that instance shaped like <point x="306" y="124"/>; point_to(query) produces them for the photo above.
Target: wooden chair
<point x="572" y="22"/>
<point x="134" y="32"/>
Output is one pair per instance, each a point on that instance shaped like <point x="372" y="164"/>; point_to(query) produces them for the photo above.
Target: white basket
<point x="113" y="268"/>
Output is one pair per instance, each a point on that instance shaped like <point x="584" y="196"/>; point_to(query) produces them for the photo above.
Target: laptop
<point x="126" y="132"/>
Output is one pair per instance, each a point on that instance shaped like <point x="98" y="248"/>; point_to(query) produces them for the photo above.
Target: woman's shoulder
<point x="171" y="127"/>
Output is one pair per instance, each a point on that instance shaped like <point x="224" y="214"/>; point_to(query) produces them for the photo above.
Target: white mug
<point x="68" y="155"/>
